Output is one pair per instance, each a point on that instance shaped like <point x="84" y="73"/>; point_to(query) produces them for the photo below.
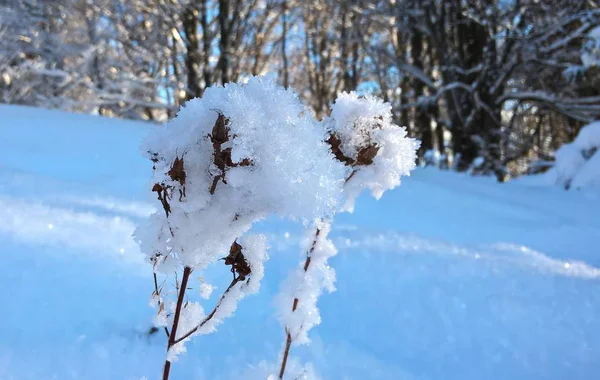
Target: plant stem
<point x="288" y="341"/>
<point x="288" y="344"/>
<point x="180" y="296"/>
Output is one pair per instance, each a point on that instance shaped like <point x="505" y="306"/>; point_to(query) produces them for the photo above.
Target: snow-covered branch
<point x="584" y="108"/>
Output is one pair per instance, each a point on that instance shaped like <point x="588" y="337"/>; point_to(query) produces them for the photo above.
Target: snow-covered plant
<point x="376" y="153"/>
<point x="227" y="160"/>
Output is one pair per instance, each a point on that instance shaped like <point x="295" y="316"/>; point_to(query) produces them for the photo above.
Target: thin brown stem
<point x="209" y="316"/>
<point x="166" y="370"/>
<point x="288" y="344"/>
<point x="288" y="341"/>
<point x="184" y="280"/>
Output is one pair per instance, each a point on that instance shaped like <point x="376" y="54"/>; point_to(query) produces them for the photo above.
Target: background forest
<point x="491" y="87"/>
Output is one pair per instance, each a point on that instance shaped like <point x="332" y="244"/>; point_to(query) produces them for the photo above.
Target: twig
<point x="288" y="344"/>
<point x="180" y="296"/>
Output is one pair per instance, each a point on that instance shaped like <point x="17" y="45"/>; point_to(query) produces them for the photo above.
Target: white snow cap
<point x="365" y="137"/>
<point x="241" y="152"/>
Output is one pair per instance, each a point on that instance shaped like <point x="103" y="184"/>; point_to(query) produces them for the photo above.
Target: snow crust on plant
<point x="308" y="286"/>
<point x="277" y="162"/>
<point x="364" y="124"/>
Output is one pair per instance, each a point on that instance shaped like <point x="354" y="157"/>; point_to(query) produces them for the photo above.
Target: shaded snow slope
<point x="447" y="277"/>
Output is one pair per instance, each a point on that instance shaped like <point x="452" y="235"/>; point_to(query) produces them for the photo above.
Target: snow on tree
<point x="591" y="49"/>
<point x="577" y="164"/>
<point x="499" y="81"/>
<point x="363" y="137"/>
<point x="227" y="160"/>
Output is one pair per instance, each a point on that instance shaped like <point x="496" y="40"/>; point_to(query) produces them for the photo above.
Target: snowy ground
<point x="447" y="277"/>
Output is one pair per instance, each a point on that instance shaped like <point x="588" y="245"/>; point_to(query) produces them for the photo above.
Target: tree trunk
<point x="224" y="41"/>
<point x="206" y="42"/>
<point x="284" y="58"/>
<point x="192" y="61"/>
<point x="422" y="118"/>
